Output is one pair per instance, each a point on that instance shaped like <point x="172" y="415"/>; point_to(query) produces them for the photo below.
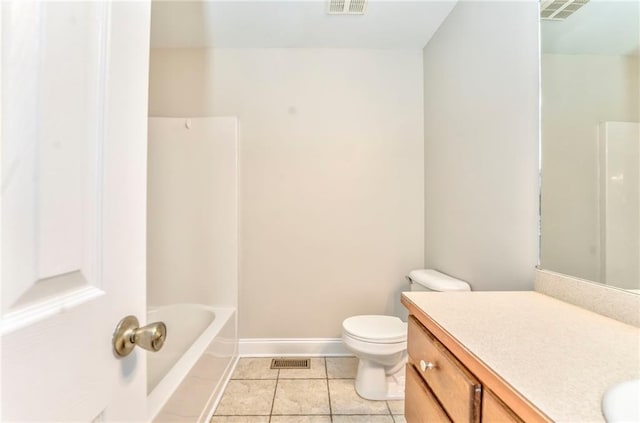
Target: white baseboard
<point x="283" y="347"/>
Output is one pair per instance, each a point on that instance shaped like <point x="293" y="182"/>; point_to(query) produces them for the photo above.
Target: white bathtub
<point x="192" y="329"/>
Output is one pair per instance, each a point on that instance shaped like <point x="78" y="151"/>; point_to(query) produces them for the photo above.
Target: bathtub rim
<point x="158" y="397"/>
<point x="172" y="315"/>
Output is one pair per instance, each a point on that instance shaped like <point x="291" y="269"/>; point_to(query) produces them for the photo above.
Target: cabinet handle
<point x="426" y="365"/>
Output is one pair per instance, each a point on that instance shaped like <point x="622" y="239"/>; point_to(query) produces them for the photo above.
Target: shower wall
<point x="619" y="196"/>
<point x="192" y="211"/>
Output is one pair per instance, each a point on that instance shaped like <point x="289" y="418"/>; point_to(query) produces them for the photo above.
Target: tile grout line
<point x="326" y="372"/>
<point x="273" y="401"/>
<point x="393" y="419"/>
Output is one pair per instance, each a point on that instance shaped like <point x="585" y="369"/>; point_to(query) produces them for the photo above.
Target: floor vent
<point x="290" y="363"/>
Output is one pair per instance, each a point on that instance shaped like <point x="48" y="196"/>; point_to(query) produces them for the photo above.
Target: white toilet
<point x="380" y="342"/>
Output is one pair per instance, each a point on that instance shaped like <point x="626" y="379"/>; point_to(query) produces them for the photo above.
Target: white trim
<point x="281" y="347"/>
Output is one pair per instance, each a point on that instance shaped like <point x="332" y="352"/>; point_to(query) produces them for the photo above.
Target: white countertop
<point x="560" y="357"/>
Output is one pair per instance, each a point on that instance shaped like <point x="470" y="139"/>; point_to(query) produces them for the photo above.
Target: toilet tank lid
<point x="436" y="281"/>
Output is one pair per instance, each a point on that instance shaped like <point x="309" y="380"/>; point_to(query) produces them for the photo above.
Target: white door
<point x="74" y="119"/>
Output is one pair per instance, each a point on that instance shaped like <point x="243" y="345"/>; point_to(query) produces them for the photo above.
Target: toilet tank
<point x="432" y="280"/>
<point x="415" y="286"/>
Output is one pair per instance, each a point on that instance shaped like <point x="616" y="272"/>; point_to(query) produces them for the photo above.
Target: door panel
<point x="74" y="102"/>
<point x="54" y="111"/>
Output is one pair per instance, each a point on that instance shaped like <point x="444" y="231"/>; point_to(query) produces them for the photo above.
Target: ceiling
<point x="270" y="24"/>
<point x="605" y="27"/>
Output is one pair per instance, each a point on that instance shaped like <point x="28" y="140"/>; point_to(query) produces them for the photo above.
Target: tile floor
<point x="322" y="394"/>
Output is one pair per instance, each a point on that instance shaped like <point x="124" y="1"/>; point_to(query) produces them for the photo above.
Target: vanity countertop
<point x="558" y="356"/>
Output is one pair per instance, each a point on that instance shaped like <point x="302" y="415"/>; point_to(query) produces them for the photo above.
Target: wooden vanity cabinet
<point x="440" y="388"/>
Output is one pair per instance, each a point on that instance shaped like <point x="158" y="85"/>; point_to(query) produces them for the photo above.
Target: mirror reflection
<point x="590" y="198"/>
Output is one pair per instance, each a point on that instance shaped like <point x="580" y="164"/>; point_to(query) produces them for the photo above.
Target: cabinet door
<point x="494" y="410"/>
<point x="420" y="405"/>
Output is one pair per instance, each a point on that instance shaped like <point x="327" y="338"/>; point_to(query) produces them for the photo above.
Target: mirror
<point x="590" y="195"/>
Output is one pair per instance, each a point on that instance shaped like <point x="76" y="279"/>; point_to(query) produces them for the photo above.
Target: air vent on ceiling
<point x="347" y="7"/>
<point x="559" y="10"/>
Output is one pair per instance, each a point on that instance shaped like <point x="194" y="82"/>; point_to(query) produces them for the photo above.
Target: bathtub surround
<point x="192" y="256"/>
<point x="481" y="145"/>
<point x="331" y="152"/>
<point x="192" y="217"/>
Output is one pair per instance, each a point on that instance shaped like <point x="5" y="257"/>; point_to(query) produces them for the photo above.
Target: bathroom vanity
<point x="511" y="357"/>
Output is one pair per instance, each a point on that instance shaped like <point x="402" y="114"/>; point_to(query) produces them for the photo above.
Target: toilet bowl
<point x="380" y="342"/>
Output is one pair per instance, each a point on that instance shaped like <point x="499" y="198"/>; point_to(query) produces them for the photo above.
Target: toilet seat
<point x="375" y="329"/>
<point x="372" y="348"/>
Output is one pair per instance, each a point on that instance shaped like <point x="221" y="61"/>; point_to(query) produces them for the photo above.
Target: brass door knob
<point x="128" y="334"/>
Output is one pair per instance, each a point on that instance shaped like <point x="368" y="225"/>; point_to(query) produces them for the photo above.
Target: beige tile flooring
<point x="324" y="393"/>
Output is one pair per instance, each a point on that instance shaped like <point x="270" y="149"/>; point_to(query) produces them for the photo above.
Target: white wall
<point x="578" y="92"/>
<point x="180" y="83"/>
<point x="331" y="175"/>
<point x="481" y="145"/>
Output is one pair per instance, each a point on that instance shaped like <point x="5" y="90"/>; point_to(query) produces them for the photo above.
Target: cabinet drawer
<point x="494" y="410"/>
<point x="454" y="386"/>
<point x="420" y="405"/>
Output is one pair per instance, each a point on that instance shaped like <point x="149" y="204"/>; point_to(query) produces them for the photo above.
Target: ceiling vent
<point x="559" y="10"/>
<point x="347" y="7"/>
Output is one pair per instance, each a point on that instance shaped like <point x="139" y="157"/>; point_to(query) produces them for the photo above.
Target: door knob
<point x="128" y="334"/>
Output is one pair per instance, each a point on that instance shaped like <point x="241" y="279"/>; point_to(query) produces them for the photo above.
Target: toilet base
<point x="373" y="383"/>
